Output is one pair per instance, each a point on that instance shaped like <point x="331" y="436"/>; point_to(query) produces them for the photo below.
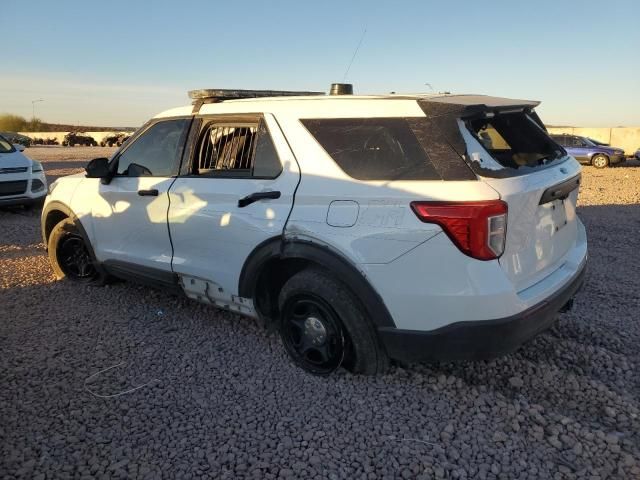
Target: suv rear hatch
<point x="507" y="146"/>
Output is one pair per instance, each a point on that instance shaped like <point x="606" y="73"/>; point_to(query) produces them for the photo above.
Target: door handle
<point x="148" y="193"/>
<point x="254" y="197"/>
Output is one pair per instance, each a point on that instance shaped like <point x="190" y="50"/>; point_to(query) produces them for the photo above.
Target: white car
<point x="365" y="228"/>
<point x="22" y="180"/>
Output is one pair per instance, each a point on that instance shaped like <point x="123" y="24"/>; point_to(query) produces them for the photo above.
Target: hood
<point x="14" y="160"/>
<point x="610" y="149"/>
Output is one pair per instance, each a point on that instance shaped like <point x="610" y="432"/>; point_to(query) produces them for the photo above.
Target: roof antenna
<point x="354" y="54"/>
<point x="429" y="85"/>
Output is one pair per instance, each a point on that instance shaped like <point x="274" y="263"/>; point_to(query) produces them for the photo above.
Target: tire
<point x="70" y="256"/>
<point x="600" y="161"/>
<point x="323" y="326"/>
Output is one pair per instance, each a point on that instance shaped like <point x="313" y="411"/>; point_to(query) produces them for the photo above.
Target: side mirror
<point x="98" y="168"/>
<point x="19" y="147"/>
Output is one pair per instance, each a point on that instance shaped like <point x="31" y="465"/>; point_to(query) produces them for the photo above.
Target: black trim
<point x="560" y="191"/>
<point x="478" y="340"/>
<point x="323" y="256"/>
<point x="8" y="202"/>
<point x="152" y="277"/>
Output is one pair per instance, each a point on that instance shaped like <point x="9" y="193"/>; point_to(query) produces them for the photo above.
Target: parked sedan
<point x="22" y="180"/>
<point x="590" y="152"/>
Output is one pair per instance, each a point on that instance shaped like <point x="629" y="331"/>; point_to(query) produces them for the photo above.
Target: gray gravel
<point x="218" y="397"/>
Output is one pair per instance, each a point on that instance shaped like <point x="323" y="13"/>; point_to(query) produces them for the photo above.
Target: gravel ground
<point x="209" y="394"/>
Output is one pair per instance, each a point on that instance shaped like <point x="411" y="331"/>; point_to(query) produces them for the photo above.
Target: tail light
<point x="478" y="229"/>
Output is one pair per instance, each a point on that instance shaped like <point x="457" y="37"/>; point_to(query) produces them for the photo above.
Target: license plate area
<point x="558" y="214"/>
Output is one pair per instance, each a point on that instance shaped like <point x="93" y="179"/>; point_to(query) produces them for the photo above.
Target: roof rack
<point x="215" y="95"/>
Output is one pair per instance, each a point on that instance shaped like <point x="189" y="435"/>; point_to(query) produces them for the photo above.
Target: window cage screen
<point x="227" y="147"/>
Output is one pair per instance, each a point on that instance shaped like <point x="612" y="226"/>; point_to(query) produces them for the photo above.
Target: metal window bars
<point x="227" y="148"/>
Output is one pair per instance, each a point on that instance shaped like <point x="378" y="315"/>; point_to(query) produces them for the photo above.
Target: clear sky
<point x="118" y="63"/>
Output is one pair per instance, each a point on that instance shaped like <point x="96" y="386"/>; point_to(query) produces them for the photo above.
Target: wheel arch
<point x="274" y="261"/>
<point x="52" y="214"/>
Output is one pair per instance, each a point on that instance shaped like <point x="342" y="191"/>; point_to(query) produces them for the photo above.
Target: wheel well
<point x="272" y="263"/>
<point x="273" y="275"/>
<point x="53" y="218"/>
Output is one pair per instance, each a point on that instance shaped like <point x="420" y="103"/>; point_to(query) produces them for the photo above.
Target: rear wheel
<point x="69" y="255"/>
<point x="323" y="326"/>
<point x="600" y="161"/>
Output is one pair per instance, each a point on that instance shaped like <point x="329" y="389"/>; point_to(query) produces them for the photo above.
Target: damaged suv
<point x="363" y="228"/>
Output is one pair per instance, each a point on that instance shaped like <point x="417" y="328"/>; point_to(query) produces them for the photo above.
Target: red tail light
<point x="478" y="229"/>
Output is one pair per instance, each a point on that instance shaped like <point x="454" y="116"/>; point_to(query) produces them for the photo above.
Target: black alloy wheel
<point x="73" y="258"/>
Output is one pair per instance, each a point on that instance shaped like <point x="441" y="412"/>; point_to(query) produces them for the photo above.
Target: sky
<point x="118" y="63"/>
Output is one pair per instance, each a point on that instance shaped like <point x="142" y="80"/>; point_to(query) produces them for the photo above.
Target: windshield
<point x="5" y="145"/>
<point x="596" y="142"/>
<point x="515" y="140"/>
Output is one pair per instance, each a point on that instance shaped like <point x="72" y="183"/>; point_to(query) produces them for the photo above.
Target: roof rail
<point x="215" y="95"/>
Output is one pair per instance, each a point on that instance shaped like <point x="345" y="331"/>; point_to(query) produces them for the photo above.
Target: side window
<point x="157" y="152"/>
<point x="559" y="139"/>
<point x="235" y="149"/>
<point x="375" y="148"/>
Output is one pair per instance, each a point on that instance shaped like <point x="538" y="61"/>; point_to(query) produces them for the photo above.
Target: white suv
<point x="22" y="180"/>
<point x="362" y="227"/>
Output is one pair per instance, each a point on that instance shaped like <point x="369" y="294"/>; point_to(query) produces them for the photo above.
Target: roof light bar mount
<point x="215" y="95"/>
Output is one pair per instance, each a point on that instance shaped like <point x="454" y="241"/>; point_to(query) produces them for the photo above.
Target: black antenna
<point x="354" y="54"/>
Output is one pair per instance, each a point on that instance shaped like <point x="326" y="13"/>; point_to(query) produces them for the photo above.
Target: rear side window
<point x="236" y="149"/>
<point x="379" y="148"/>
<point x="514" y="140"/>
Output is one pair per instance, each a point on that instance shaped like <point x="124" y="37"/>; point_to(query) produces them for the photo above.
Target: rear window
<point x="515" y="141"/>
<point x="385" y="149"/>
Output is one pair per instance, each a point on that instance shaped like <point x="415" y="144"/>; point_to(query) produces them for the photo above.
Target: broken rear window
<point x="375" y="148"/>
<point x="514" y="140"/>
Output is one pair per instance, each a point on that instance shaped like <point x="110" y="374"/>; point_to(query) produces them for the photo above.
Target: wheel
<point x="323" y="326"/>
<point x="600" y="161"/>
<point x="69" y="255"/>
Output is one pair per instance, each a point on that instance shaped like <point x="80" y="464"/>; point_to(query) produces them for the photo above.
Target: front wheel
<point x="323" y="326"/>
<point x="69" y="254"/>
<point x="600" y="161"/>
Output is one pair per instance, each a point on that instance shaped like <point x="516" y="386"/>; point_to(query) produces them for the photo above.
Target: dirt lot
<point x="219" y="398"/>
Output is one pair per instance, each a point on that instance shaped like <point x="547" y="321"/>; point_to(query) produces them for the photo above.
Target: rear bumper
<point x="478" y="340"/>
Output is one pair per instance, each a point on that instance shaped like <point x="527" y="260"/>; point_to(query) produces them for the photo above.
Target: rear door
<point x="539" y="184"/>
<point x="236" y="193"/>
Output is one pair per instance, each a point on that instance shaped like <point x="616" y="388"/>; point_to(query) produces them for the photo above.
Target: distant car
<point x="115" y="140"/>
<point x="22" y="180"/>
<point x="72" y="139"/>
<point x="590" y="152"/>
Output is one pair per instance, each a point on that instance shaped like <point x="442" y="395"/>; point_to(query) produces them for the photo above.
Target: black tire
<point x="600" y="161"/>
<point x="70" y="256"/>
<point x="323" y="326"/>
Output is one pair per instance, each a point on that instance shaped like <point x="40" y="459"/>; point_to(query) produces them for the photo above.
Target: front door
<point x="130" y="214"/>
<point x="238" y="193"/>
